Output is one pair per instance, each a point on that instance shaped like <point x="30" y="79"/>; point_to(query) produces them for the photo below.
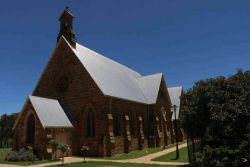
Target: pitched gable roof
<point x="150" y="86"/>
<point x="49" y="112"/>
<point x="117" y="80"/>
<point x="175" y="94"/>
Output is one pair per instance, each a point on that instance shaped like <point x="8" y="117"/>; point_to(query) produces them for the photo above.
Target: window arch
<point x="30" y="129"/>
<point x="90" y="123"/>
<point x="132" y="123"/>
<point x="117" y="124"/>
<point x="151" y="122"/>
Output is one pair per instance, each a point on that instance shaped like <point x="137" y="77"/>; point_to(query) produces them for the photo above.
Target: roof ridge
<point x="175" y="87"/>
<point x="150" y="75"/>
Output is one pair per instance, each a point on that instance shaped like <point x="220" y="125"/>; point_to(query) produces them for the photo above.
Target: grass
<point x="5" y="151"/>
<point x="108" y="164"/>
<point x="139" y="153"/>
<point x="183" y="154"/>
<point x="135" y="154"/>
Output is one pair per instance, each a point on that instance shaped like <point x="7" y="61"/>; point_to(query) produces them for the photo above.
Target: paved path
<point x="142" y="160"/>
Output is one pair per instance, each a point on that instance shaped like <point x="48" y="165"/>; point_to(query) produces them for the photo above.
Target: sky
<point x="187" y="40"/>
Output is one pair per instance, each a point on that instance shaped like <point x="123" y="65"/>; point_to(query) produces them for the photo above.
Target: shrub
<point x="64" y="148"/>
<point x="54" y="144"/>
<point x="21" y="155"/>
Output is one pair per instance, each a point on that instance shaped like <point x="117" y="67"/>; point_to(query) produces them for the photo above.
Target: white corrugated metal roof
<point x="117" y="80"/>
<point x="175" y="94"/>
<point x="50" y="112"/>
<point x="150" y="86"/>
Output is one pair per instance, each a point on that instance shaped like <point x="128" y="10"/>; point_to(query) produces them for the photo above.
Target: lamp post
<point x="175" y="129"/>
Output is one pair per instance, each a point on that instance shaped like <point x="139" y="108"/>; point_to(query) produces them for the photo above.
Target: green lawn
<point x="131" y="155"/>
<point x="135" y="154"/>
<point x="139" y="153"/>
<point x="108" y="164"/>
<point x="5" y="151"/>
<point x="183" y="153"/>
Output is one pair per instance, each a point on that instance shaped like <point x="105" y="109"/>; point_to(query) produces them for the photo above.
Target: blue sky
<point x="187" y="40"/>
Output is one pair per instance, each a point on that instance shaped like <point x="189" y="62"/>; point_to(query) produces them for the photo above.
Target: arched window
<point x="90" y="123"/>
<point x="117" y="124"/>
<point x="132" y="123"/>
<point x="30" y="131"/>
<point x="151" y="123"/>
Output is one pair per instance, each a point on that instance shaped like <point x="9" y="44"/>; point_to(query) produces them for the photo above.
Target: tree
<point x="217" y="111"/>
<point x="6" y="124"/>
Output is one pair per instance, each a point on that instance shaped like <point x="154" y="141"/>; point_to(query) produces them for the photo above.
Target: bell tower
<point x="66" y="29"/>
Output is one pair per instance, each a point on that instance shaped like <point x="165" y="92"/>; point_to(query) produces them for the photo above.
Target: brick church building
<point x="85" y="99"/>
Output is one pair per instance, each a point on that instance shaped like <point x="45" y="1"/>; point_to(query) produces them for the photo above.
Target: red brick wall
<point x="20" y="131"/>
<point x="125" y="108"/>
<point x="164" y="101"/>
